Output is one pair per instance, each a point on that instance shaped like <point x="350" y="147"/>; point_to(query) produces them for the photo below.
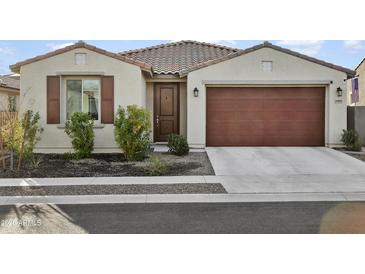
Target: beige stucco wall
<point x="183" y="105"/>
<point x="183" y="109"/>
<point x="247" y="70"/>
<point x="129" y="88"/>
<point x="361" y="72"/>
<point x="149" y="103"/>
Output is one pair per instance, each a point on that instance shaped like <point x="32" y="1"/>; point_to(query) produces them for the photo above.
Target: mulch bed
<point x="110" y="165"/>
<point x="182" y="188"/>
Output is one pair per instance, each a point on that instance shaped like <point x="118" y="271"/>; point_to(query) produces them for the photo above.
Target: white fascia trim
<point x="266" y="82"/>
<point x="77" y="73"/>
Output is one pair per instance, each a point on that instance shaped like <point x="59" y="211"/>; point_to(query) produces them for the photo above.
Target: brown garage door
<point x="265" y="116"/>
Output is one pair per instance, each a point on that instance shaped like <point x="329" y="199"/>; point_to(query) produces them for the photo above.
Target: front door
<point x="166" y="111"/>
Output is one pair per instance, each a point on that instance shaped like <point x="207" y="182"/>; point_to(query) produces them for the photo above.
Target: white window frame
<point x="82" y="78"/>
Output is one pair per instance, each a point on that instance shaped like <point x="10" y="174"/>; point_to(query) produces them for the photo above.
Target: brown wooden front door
<point x="265" y="116"/>
<point x="166" y="111"/>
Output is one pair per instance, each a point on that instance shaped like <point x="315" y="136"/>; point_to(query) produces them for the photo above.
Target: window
<point x="83" y="95"/>
<point x="11" y="103"/>
<point x="267" y="66"/>
<point x="80" y="58"/>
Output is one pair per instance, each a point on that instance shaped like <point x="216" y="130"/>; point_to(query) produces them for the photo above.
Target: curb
<point x="67" y="181"/>
<point x="184" y="198"/>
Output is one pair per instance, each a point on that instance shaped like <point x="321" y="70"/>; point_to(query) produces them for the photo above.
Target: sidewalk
<point x="239" y="188"/>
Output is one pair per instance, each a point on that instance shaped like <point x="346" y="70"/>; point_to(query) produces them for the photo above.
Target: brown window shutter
<point x="107" y="100"/>
<point x="53" y="99"/>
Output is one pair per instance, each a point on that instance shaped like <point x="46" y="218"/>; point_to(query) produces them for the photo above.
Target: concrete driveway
<point x="282" y="161"/>
<point x="286" y="170"/>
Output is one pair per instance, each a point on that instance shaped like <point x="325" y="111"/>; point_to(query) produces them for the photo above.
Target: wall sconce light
<point x="339" y="92"/>
<point x="196" y="92"/>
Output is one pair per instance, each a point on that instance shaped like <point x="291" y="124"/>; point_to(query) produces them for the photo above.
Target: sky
<point x="347" y="53"/>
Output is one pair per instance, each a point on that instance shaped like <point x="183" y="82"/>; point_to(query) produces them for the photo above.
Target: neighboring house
<point x="356" y="115"/>
<point x="360" y="73"/>
<point x="214" y="95"/>
<point x="9" y="92"/>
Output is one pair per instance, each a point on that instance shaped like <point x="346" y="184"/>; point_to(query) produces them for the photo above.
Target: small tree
<point x="31" y="135"/>
<point x="132" y="128"/>
<point x="80" y="129"/>
<point x="22" y="135"/>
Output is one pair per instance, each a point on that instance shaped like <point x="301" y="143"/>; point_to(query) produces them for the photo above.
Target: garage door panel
<point x="292" y="104"/>
<point x="236" y="104"/>
<point x="233" y="127"/>
<point x="265" y="116"/>
<point x="252" y="140"/>
<point x="288" y="116"/>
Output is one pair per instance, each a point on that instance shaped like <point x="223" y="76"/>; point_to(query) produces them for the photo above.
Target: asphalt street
<point x="279" y="217"/>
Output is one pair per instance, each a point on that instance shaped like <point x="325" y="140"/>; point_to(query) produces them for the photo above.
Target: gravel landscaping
<point x="107" y="165"/>
<point x="183" y="188"/>
<point x="356" y="154"/>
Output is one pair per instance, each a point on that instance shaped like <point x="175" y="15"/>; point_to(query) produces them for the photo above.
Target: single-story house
<point x="360" y="74"/>
<point x="9" y="92"/>
<point x="214" y="95"/>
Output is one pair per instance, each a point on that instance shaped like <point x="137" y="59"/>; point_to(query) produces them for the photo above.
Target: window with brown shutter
<point x="107" y="99"/>
<point x="53" y="99"/>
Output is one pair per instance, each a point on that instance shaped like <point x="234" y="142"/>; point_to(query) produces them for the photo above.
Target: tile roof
<point x="172" y="58"/>
<point x="82" y="44"/>
<point x="10" y="81"/>
<point x="180" y="58"/>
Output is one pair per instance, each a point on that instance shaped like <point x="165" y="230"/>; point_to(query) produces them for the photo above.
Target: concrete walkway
<point x="183" y="198"/>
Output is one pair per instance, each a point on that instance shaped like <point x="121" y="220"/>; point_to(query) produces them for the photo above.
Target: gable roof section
<point x="81" y="44"/>
<point x="179" y="58"/>
<point x="359" y="64"/>
<point x="349" y="72"/>
<point x="173" y="58"/>
<point x="10" y="82"/>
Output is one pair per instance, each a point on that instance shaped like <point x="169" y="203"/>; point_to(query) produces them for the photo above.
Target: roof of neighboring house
<point x="10" y="81"/>
<point x="359" y="64"/>
<point x="82" y="44"/>
<point x="173" y="58"/>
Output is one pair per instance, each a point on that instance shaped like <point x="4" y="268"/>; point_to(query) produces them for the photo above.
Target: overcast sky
<point x="345" y="53"/>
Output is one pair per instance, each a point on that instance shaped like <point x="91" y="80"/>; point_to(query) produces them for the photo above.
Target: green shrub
<point x="80" y="129"/>
<point x="36" y="161"/>
<point x="156" y="166"/>
<point x="351" y="139"/>
<point x="132" y="128"/>
<point x="178" y="145"/>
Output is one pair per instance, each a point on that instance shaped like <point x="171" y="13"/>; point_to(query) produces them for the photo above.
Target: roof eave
<point x="362" y="61"/>
<point x="12" y="89"/>
<point x="145" y="67"/>
<point x="349" y="72"/>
